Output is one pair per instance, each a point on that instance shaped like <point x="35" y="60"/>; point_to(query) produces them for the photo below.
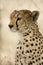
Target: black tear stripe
<point x="16" y="24"/>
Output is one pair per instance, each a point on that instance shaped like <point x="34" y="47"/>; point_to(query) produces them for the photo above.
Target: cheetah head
<point x="22" y="19"/>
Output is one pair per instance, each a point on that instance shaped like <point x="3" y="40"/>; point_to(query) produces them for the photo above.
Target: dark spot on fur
<point x="22" y="52"/>
<point x="32" y="57"/>
<point x="23" y="43"/>
<point x="38" y="52"/>
<point x="17" y="60"/>
<point x="30" y="63"/>
<point x="17" y="47"/>
<point x="17" y="56"/>
<point x="27" y="51"/>
<point x="36" y="44"/>
<point x="36" y="37"/>
<point x="26" y="40"/>
<point x="21" y="63"/>
<point x="30" y="39"/>
<point x="20" y="47"/>
<point x="42" y="57"/>
<point x="38" y="47"/>
<point x="42" y="63"/>
<point x="30" y="51"/>
<point x="33" y="61"/>
<point x="27" y="33"/>
<point x="29" y="56"/>
<point x="31" y="44"/>
<point x="39" y="63"/>
<point x="38" y="58"/>
<point x="27" y="45"/>
<point x="39" y="43"/>
<point x="33" y="52"/>
<point x="33" y="39"/>
<point x="35" y="49"/>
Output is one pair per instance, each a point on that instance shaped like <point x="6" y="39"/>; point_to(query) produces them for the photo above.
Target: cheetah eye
<point x="19" y="18"/>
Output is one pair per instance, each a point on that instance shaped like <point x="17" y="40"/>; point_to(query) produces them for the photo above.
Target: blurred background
<point x="8" y="39"/>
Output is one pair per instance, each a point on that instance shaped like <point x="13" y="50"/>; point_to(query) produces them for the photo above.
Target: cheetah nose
<point x="10" y="26"/>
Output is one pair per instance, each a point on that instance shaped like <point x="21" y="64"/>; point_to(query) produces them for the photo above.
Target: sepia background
<point x="8" y="39"/>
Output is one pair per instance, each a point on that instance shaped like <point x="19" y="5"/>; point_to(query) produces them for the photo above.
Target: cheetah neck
<point x="31" y="30"/>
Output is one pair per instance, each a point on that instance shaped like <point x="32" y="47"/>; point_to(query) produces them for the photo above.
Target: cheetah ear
<point x="35" y="15"/>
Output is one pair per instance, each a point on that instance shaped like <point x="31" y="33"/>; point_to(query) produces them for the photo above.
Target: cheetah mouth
<point x="13" y="30"/>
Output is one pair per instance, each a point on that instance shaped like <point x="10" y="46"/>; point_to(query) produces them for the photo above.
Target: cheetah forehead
<point x="20" y="12"/>
<point x="26" y="14"/>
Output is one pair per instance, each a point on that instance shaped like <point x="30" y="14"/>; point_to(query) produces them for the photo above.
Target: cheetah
<point x="29" y="49"/>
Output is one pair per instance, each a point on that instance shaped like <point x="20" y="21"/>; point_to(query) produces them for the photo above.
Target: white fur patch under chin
<point x="13" y="30"/>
